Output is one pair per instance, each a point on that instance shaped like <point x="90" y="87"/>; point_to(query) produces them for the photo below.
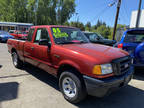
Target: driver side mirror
<point x="45" y="42"/>
<point x="98" y="38"/>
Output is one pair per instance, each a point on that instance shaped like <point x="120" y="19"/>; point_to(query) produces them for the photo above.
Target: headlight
<point x="102" y="69"/>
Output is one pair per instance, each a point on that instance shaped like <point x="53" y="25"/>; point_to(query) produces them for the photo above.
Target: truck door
<point x="41" y="52"/>
<point x="29" y="48"/>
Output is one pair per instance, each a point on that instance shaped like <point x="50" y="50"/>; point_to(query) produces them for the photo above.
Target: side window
<point x="38" y="35"/>
<point x="42" y="33"/>
<point x="93" y="37"/>
<point x="30" y="34"/>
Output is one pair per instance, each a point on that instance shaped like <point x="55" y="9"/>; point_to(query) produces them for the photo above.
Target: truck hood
<point x="98" y="52"/>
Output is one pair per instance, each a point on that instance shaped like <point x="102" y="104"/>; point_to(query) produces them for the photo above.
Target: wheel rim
<point x="69" y="87"/>
<point x="15" y="58"/>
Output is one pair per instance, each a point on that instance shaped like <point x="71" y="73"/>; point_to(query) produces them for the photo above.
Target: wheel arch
<point x="66" y="67"/>
<point x="13" y="50"/>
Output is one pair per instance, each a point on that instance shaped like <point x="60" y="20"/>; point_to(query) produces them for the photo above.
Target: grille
<point x="121" y="65"/>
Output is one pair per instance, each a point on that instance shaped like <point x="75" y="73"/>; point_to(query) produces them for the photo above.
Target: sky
<point x="92" y="10"/>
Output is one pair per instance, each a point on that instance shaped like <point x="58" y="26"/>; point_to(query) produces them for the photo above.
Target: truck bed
<point x="16" y="44"/>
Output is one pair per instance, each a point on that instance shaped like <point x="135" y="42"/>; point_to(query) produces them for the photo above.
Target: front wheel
<point x="16" y="61"/>
<point x="72" y="87"/>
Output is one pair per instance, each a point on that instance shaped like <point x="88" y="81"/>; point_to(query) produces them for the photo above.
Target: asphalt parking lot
<point x="34" y="88"/>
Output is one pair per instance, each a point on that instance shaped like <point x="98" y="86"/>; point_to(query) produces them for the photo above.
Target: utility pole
<point x="116" y="18"/>
<point x="138" y="14"/>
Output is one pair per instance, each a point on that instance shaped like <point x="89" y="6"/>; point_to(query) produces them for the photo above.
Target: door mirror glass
<point x="43" y="42"/>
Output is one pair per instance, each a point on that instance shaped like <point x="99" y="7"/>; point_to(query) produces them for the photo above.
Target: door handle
<point x="57" y="56"/>
<point x="32" y="48"/>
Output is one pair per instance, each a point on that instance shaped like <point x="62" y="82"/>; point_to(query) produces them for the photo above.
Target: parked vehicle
<point x="19" y="34"/>
<point x="132" y="41"/>
<point x="11" y="31"/>
<point x="4" y="36"/>
<point x="81" y="67"/>
<point x="96" y="38"/>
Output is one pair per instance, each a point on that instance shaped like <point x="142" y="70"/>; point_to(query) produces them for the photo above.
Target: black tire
<point x="16" y="61"/>
<point x="80" y="93"/>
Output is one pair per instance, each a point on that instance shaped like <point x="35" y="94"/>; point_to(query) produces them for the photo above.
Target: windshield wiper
<point x="67" y="42"/>
<point x="71" y="42"/>
<point x="82" y="42"/>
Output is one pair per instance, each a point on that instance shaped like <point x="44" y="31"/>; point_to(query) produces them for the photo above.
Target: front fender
<point x="71" y="63"/>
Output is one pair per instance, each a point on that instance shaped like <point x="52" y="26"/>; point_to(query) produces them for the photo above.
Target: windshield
<point x="93" y="36"/>
<point x="63" y="35"/>
<point x="4" y="33"/>
<point x="134" y="36"/>
<point x="11" y="31"/>
<point x="18" y="32"/>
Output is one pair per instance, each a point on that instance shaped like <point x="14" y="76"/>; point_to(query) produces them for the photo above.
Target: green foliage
<point x="66" y="9"/>
<point x="13" y="10"/>
<point x="88" y="26"/>
<point x="103" y="30"/>
<point x="100" y="28"/>
<point x="48" y="11"/>
<point x="78" y="25"/>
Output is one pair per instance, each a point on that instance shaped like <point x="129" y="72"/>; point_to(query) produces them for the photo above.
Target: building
<point x="134" y="19"/>
<point x="6" y="26"/>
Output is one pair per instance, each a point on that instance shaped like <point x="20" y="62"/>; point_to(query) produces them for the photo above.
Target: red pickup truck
<point x="81" y="67"/>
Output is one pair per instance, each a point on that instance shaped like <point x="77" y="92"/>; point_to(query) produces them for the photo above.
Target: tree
<point x="88" y="26"/>
<point x="119" y="26"/>
<point x="66" y="9"/>
<point x="67" y="23"/>
<point x="99" y="23"/>
<point x="78" y="25"/>
<point x="13" y="10"/>
<point x="48" y="12"/>
<point x="104" y="31"/>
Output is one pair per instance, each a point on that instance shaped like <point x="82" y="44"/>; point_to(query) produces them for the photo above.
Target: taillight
<point x="120" y="46"/>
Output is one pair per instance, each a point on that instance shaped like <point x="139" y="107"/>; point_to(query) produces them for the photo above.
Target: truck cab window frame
<point x="41" y="33"/>
<point x="30" y="34"/>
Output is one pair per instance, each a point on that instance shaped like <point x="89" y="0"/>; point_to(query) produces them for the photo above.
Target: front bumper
<point x="138" y="65"/>
<point x="102" y="87"/>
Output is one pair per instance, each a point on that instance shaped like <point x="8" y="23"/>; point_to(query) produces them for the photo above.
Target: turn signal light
<point x="120" y="46"/>
<point x="97" y="70"/>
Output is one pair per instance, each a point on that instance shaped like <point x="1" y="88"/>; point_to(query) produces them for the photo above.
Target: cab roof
<point x="50" y="26"/>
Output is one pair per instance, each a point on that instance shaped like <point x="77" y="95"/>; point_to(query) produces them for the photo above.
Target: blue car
<point x="4" y="36"/>
<point x="132" y="41"/>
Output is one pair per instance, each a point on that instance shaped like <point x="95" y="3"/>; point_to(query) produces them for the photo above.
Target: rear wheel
<point x="16" y="61"/>
<point x="72" y="87"/>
